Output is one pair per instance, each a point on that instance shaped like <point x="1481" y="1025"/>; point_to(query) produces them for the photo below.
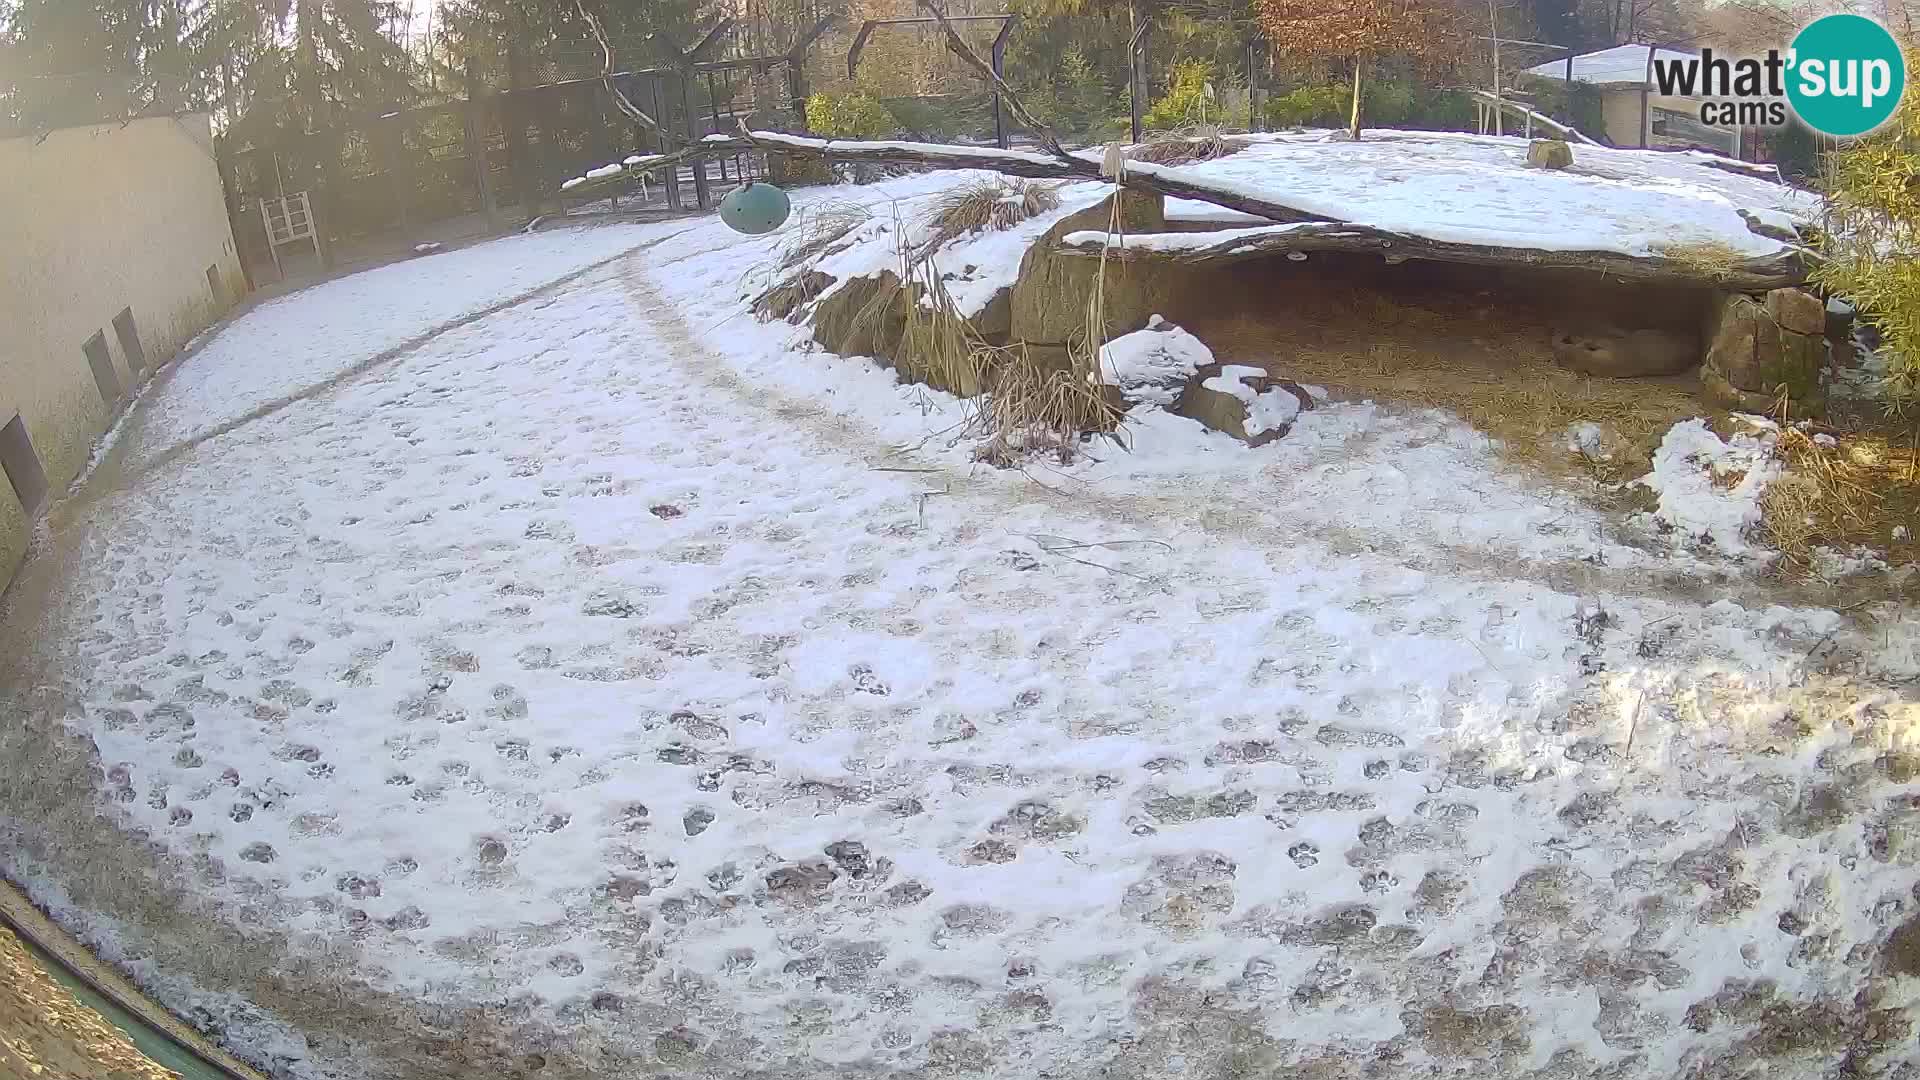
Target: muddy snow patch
<point x="1709" y="488"/>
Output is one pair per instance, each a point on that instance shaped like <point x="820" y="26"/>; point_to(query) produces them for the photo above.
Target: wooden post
<point x="1358" y="65"/>
<point x="1646" y="121"/>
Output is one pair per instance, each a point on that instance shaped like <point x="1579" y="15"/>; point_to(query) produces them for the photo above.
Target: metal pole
<point x="1646" y="128"/>
<point x="713" y="107"/>
<point x="1493" y="20"/>
<point x="699" y="165"/>
<point x="1136" y="70"/>
<point x="665" y="138"/>
<point x="999" y="110"/>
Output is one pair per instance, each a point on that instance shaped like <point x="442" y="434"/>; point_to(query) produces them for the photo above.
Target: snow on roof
<point x="1609" y="67"/>
<point x="1456" y="187"/>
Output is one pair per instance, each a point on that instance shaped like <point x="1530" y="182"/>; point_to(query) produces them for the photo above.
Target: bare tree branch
<point x="959" y="47"/>
<point x="631" y="110"/>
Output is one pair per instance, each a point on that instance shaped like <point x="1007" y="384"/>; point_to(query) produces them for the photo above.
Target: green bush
<point x="1321" y="105"/>
<point x="942" y="119"/>
<point x="1389" y="103"/>
<point x="1872" y="239"/>
<point x="1186" y="101"/>
<point x="851" y="115"/>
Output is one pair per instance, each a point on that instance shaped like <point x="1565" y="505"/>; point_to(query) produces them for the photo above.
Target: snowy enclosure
<point x="566" y="663"/>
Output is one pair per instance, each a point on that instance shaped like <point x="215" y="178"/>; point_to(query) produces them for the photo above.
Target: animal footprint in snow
<point x="1377" y="881"/>
<point x="360" y="888"/>
<point x="1303" y="854"/>
<point x="865" y="681"/>
<point x="490" y="851"/>
<point x="1019" y="560"/>
<point x="697" y="726"/>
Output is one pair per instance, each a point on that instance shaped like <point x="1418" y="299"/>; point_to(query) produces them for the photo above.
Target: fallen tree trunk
<point x="1708" y="268"/>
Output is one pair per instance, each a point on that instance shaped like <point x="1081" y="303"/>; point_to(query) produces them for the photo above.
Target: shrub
<point x="851" y="115"/>
<point x="1310" y="106"/>
<point x="1872" y="235"/>
<point x="1187" y="100"/>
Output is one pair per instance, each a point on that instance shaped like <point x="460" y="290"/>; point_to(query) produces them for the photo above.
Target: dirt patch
<point x="1902" y="953"/>
<point x="50" y="1035"/>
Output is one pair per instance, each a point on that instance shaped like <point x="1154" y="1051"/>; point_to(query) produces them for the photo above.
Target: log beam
<point x="1751" y="274"/>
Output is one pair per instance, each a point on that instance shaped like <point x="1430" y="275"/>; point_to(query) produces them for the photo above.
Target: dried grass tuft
<point x="1186" y="148"/>
<point x="820" y="228"/>
<point x="993" y="204"/>
<point x="1711" y="259"/>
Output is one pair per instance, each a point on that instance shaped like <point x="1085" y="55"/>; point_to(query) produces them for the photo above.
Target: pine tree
<point x="1359" y="32"/>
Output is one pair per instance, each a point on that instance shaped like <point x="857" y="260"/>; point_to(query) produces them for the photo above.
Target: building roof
<point x="1621" y="65"/>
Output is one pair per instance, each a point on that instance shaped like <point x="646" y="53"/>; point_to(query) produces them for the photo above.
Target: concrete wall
<point x="94" y="220"/>
<point x="1620" y="111"/>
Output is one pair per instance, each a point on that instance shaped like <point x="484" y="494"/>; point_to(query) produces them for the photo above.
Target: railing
<point x="1488" y="105"/>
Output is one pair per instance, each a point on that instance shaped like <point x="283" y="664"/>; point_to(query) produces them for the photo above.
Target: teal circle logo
<point x="1846" y="75"/>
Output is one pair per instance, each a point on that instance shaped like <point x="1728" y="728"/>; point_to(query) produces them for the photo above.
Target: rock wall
<point x="1049" y="301"/>
<point x="1761" y="347"/>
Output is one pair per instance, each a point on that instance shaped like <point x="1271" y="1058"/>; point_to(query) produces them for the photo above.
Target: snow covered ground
<point x="619" y="658"/>
<point x="298" y="341"/>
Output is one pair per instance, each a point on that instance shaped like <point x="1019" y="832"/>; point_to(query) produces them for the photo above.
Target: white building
<point x="1632" y="108"/>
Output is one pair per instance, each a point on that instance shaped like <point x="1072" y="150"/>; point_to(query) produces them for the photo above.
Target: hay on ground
<point x="1186" y="148"/>
<point x="1844" y="490"/>
<point x="1518" y="397"/>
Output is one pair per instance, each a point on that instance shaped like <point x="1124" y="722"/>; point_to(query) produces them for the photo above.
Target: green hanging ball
<point x="755" y="208"/>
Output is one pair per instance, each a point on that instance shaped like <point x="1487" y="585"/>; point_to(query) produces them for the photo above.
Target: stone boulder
<point x="1049" y="302"/>
<point x="1242" y="401"/>
<point x="1755" y="352"/>
<point x="1549" y="154"/>
<point x="1153" y="366"/>
<point x="1797" y="310"/>
<point x="1624" y="354"/>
